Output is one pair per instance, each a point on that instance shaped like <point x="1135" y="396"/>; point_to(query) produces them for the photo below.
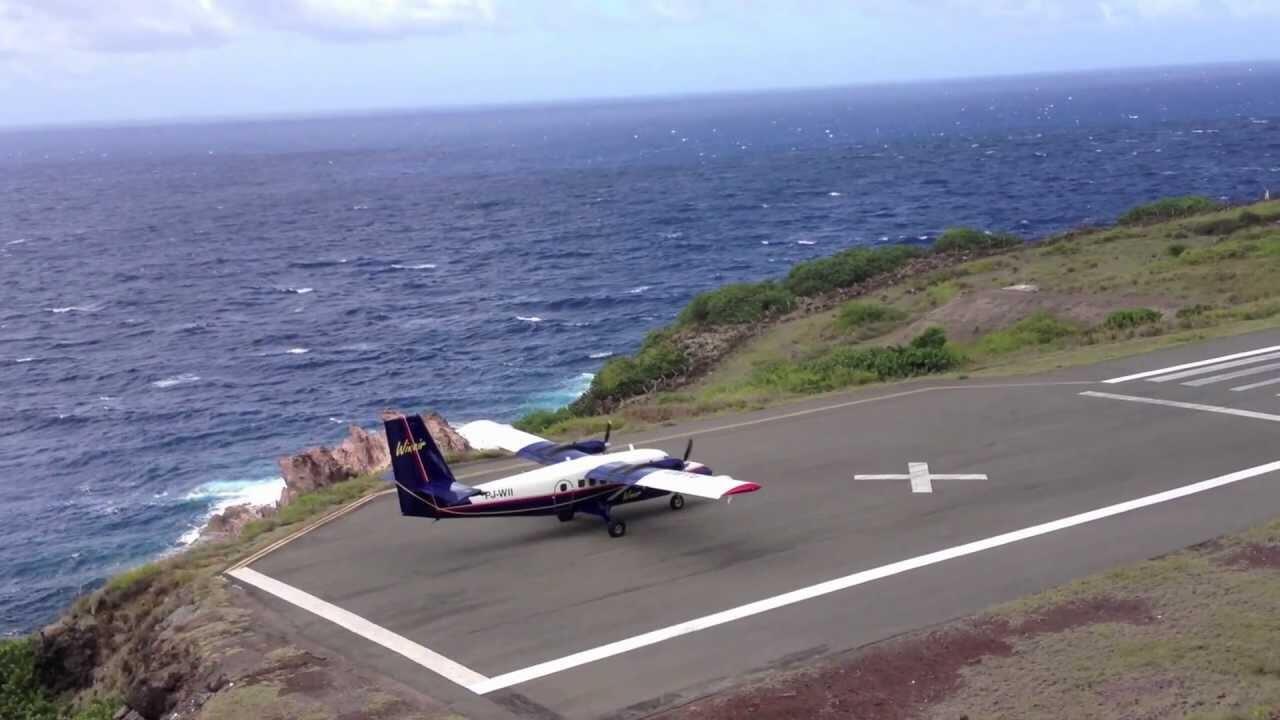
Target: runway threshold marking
<point x="859" y="578"/>
<point x="1188" y="366"/>
<point x="1184" y="405"/>
<point x="431" y="660"/>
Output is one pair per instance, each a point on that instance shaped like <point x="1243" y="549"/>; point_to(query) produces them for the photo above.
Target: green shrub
<point x="932" y="339"/>
<point x="737" y="304"/>
<point x="21" y="696"/>
<point x="1229" y="224"/>
<point x="538" y="421"/>
<point x="845" y="269"/>
<point x="1175" y="249"/>
<point x="1192" y="311"/>
<point x="1036" y="330"/>
<point x="1261" y="312"/>
<point x="1132" y="318"/>
<point x="866" y="315"/>
<point x="1169" y="209"/>
<point x="962" y="239"/>
<point x="659" y="358"/>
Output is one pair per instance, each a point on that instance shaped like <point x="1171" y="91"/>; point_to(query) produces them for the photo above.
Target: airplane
<point x="576" y="477"/>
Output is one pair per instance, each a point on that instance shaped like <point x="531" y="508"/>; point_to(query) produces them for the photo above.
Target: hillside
<point x="1173" y="271"/>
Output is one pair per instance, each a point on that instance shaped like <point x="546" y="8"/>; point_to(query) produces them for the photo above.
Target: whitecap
<point x="224" y="494"/>
<point x="600" y="355"/>
<point x="19" y="241"/>
<point x="806" y="242"/>
<point x="183" y="379"/>
<point x="639" y="289"/>
<point x="336" y="421"/>
<point x="300" y="291"/>
<point x="764" y="242"/>
<point x="833" y="193"/>
<point x="298" y="351"/>
<point x="25" y="360"/>
<point x="75" y="308"/>
<point x="531" y="319"/>
<point x="423" y="266"/>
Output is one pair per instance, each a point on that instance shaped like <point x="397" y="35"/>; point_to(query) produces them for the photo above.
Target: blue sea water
<point x="183" y="304"/>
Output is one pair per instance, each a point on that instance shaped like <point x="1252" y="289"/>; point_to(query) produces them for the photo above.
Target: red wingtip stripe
<point x="744" y="488"/>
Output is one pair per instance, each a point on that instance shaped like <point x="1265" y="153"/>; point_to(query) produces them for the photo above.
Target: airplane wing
<point x="675" y="481"/>
<point x="489" y="435"/>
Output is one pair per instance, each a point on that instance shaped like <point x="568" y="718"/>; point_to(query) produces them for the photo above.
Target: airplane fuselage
<point x="554" y="489"/>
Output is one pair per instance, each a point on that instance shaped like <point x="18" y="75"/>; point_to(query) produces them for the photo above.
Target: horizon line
<point x="570" y="102"/>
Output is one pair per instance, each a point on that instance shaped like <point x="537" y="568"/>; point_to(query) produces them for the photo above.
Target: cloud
<point x="35" y="27"/>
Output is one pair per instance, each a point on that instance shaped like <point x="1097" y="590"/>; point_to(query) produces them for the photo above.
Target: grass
<point x="1169" y="209"/>
<point x="1040" y="330"/>
<point x="865" y="320"/>
<point x="1212" y="649"/>
<point x="23" y="698"/>
<point x="1132" y="318"/>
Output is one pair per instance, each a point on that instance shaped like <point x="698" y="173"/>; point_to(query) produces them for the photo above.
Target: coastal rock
<point x="360" y="453"/>
<point x="446" y="438"/>
<point x="230" y="522"/>
<point x="65" y="655"/>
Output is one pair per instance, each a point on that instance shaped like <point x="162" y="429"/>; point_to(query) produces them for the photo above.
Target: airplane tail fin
<point x="424" y="481"/>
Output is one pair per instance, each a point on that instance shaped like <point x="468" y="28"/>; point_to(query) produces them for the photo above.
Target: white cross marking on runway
<point x="920" y="477"/>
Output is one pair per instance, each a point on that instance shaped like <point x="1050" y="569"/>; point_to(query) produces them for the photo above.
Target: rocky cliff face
<point x="359" y="454"/>
<point x="228" y="523"/>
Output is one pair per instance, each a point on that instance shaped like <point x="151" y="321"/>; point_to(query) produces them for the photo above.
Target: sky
<point x="96" y="62"/>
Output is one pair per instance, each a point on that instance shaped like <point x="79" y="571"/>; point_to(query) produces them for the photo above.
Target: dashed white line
<point x="1184" y="405"/>
<point x="795" y="596"/>
<point x="1186" y="366"/>
<point x="433" y="661"/>
<point x="1233" y="375"/>
<point x="1264" y="383"/>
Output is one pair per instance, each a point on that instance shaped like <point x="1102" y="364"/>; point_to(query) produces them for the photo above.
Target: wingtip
<point x="748" y="487"/>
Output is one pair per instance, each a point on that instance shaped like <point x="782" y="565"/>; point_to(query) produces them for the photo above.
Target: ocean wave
<point x="75" y="308"/>
<point x="639" y="289"/>
<point x="183" y="379"/>
<point x="530" y="319"/>
<point x="220" y="495"/>
<point x="19" y="241"/>
<point x="25" y="360"/>
<point x="806" y="242"/>
<point x="422" y="266"/>
<point x="298" y="351"/>
<point x="297" y="290"/>
<point x="600" y="355"/>
<point x="833" y="193"/>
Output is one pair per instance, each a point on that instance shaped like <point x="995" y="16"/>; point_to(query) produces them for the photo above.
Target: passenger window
<point x="581" y="483"/>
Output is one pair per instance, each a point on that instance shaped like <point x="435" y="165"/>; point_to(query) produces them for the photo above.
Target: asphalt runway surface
<point x="1078" y="470"/>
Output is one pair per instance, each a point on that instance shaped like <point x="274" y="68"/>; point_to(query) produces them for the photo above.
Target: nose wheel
<point x="617" y="528"/>
<point x="677" y="501"/>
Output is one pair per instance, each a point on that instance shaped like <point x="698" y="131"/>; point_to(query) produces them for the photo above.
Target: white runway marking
<point x="1264" y="383"/>
<point x="432" y="661"/>
<point x="795" y="596"/>
<point x="1216" y="367"/>
<point x="1184" y="405"/>
<point x="1186" y="366"/>
<point x="920" y="477"/>
<point x="1233" y="375"/>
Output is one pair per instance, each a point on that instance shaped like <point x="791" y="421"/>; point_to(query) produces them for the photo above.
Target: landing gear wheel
<point x="617" y="529"/>
<point x="565" y="515"/>
<point x="677" y="501"/>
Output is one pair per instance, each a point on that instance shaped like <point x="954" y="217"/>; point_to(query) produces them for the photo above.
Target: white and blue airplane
<point x="575" y="477"/>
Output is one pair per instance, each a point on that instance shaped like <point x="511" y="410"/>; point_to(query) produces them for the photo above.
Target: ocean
<point x="183" y="304"/>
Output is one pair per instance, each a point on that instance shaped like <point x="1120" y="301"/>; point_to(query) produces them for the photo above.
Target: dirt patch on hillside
<point x="971" y="315"/>
<point x="897" y="679"/>
<point x="1253" y="556"/>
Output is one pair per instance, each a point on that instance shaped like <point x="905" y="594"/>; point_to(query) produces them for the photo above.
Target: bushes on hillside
<point x="1132" y="318"/>
<point x="1229" y="224"/>
<point x="927" y="354"/>
<point x="962" y="239"/>
<point x="845" y="269"/>
<point x="20" y="695"/>
<point x="659" y="358"/>
<point x="737" y="304"/>
<point x="1169" y="209"/>
<point x="1036" y="330"/>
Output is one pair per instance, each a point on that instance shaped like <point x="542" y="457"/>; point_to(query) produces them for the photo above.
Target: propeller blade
<point x="608" y="430"/>
<point x="687" y="450"/>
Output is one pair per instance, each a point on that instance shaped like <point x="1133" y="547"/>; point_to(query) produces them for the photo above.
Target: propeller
<point x="595" y="447"/>
<point x="687" y="450"/>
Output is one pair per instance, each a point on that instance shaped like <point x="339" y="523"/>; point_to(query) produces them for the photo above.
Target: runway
<point x="882" y="511"/>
